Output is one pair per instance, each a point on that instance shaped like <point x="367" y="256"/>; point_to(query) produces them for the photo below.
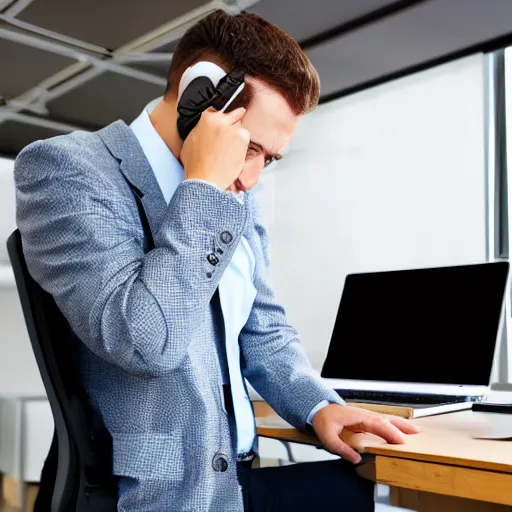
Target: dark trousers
<point x="308" y="487"/>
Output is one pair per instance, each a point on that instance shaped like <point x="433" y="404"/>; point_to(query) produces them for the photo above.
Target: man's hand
<point x="216" y="148"/>
<point x="330" y="422"/>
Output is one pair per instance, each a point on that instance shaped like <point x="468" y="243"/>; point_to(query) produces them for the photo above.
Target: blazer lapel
<point x="124" y="146"/>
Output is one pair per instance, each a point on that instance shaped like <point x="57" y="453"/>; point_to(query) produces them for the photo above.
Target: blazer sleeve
<point x="274" y="361"/>
<point x="83" y="243"/>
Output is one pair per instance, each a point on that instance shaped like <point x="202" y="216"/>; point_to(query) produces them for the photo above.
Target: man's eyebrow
<point x="277" y="156"/>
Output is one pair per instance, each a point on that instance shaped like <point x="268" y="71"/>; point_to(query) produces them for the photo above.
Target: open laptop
<point x="414" y="337"/>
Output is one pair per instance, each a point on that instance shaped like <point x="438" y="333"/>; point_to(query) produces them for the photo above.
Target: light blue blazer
<point x="148" y="324"/>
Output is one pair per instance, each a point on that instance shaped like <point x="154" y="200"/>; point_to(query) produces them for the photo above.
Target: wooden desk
<point x="443" y="469"/>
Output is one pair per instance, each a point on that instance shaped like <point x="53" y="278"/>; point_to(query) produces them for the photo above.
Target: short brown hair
<point x="255" y="46"/>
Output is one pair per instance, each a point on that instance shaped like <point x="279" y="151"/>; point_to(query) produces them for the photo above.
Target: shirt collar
<point x="168" y="170"/>
<point x="166" y="167"/>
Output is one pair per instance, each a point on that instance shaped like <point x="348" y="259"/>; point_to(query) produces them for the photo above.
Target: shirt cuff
<point x="315" y="409"/>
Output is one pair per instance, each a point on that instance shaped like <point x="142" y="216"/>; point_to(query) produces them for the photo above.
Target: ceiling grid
<point x="81" y="65"/>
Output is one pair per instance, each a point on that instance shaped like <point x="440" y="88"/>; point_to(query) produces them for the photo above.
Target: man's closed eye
<point x="255" y="150"/>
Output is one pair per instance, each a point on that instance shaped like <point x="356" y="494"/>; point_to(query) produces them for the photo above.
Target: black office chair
<point x="77" y="475"/>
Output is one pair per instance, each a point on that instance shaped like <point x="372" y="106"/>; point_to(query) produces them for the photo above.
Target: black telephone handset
<point x="202" y="86"/>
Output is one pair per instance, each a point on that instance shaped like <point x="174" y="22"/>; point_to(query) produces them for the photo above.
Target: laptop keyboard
<point x="390" y="397"/>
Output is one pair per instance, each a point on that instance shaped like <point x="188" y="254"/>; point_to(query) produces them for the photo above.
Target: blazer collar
<point x="124" y="147"/>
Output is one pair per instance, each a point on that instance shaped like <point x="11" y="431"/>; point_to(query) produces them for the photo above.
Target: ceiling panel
<point x="16" y="77"/>
<point x="396" y="43"/>
<point x="409" y="38"/>
<point x="158" y="68"/>
<point x="15" y="136"/>
<point x="103" y="100"/>
<point x="106" y="23"/>
<point x="168" y="48"/>
<point x="308" y="18"/>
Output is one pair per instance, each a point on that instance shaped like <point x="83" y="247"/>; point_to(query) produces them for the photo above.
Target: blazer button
<point x="226" y="237"/>
<point x="212" y="258"/>
<point x="220" y="463"/>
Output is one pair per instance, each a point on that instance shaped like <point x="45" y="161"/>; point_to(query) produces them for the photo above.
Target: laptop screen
<point x="434" y="326"/>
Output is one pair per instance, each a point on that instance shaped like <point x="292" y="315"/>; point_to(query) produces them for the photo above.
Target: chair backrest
<point x="84" y="468"/>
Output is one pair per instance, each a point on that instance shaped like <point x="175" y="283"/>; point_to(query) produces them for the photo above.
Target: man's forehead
<point x="254" y="91"/>
<point x="271" y="132"/>
<point x="269" y="118"/>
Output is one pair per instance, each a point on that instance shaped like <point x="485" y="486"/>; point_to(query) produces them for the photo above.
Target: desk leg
<point x="430" y="502"/>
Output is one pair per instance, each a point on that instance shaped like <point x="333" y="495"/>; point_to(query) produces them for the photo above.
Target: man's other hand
<point x="330" y="422"/>
<point x="216" y="148"/>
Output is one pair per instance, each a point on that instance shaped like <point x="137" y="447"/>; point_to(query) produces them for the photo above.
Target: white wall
<point x="508" y="141"/>
<point x="18" y="369"/>
<point x="7" y="204"/>
<point x="389" y="178"/>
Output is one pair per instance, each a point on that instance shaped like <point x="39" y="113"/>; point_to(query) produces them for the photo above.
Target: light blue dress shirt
<point x="236" y="289"/>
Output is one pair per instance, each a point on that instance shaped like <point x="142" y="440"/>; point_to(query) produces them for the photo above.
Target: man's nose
<point x="249" y="177"/>
<point x="240" y="185"/>
<point x="246" y="181"/>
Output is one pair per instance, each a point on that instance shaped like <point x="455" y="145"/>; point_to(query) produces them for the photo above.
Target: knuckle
<point x="211" y="117"/>
<point x="204" y="121"/>
<point x="378" y="421"/>
<point x="334" y="445"/>
<point x="244" y="134"/>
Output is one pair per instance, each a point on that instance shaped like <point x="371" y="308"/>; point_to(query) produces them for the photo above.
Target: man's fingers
<point x="405" y="426"/>
<point x="334" y="444"/>
<point x="235" y="115"/>
<point x="382" y="427"/>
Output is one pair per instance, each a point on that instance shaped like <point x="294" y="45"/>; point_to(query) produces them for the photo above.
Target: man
<point x="174" y="312"/>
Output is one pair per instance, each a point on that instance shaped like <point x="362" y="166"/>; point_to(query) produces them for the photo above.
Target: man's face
<point x="271" y="123"/>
